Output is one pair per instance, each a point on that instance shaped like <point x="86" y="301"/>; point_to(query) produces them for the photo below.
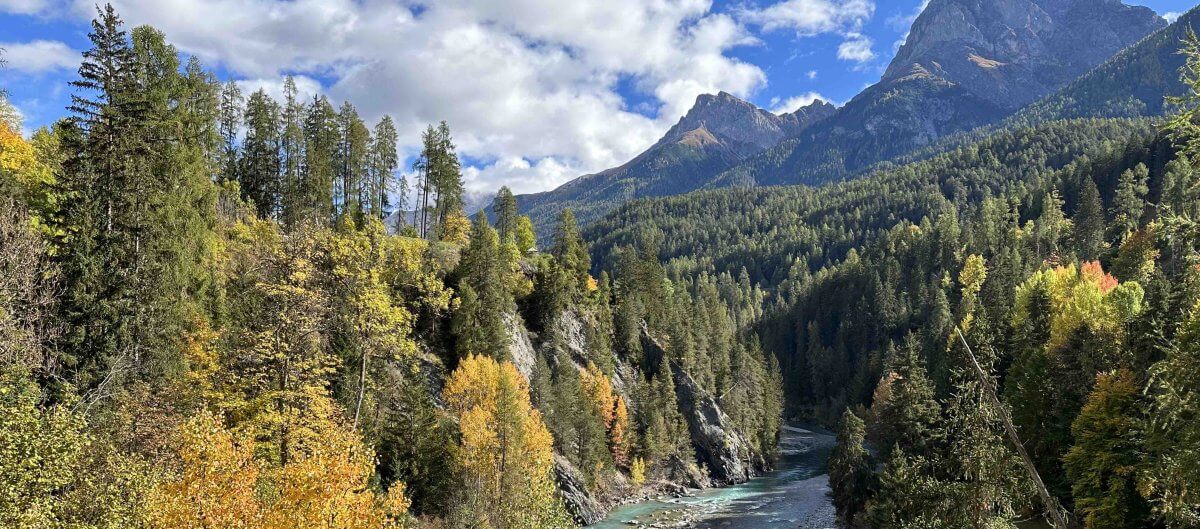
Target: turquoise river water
<point x="793" y="496"/>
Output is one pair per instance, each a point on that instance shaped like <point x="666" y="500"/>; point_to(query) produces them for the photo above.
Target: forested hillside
<point x="205" y="323"/>
<point x="1066" y="254"/>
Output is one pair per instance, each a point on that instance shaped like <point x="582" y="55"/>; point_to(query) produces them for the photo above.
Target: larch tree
<point x="505" y="459"/>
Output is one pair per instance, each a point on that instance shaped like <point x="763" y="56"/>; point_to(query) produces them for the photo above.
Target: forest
<point x="1065" y="253"/>
<point x="214" y="314"/>
<point x="216" y="311"/>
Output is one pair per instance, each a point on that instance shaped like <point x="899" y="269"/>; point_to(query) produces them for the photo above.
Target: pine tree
<point x="261" y="164"/>
<point x="850" y="469"/>
<point x="506" y="214"/>
<point x="229" y="124"/>
<point x="1089" y="221"/>
<point x="1130" y="200"/>
<point x="383" y="161"/>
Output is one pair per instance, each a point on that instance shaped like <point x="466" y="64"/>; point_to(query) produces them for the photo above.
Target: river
<point x="793" y="496"/>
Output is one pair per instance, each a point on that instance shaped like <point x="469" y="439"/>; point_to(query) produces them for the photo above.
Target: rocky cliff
<point x="965" y="63"/>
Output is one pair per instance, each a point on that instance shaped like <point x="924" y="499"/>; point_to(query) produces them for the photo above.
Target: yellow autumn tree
<point x="505" y="458"/>
<point x="219" y="484"/>
<point x="215" y="484"/>
<point x="1081" y="295"/>
<point x="26" y="175"/>
<point x="610" y="408"/>
<point x="619" y="440"/>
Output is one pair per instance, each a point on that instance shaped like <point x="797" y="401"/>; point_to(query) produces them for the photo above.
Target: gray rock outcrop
<point x="719" y="446"/>
<point x="579" y="501"/>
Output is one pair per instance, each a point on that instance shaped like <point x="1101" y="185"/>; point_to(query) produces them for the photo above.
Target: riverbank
<point x="794" y="495"/>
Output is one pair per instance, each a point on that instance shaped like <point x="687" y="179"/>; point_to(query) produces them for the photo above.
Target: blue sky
<point x="537" y="91"/>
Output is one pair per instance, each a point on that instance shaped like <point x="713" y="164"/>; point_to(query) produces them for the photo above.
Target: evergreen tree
<point x="571" y="253"/>
<point x="1130" y="200"/>
<point x="1104" y="461"/>
<point x="319" y="170"/>
<point x="229" y="126"/>
<point x="506" y="214"/>
<point x="261" y="164"/>
<point x="383" y="161"/>
<point x="909" y="417"/>
<point x="292" y="143"/>
<point x="485" y="294"/>
<point x="1089" y="221"/>
<point x="355" y="193"/>
<point x="850" y="469"/>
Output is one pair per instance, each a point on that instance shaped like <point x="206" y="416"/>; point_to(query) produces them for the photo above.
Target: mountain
<point x="719" y="131"/>
<point x="1134" y="82"/>
<point x="965" y="63"/>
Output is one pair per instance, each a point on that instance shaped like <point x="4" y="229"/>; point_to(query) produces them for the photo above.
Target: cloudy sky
<point x="536" y="91"/>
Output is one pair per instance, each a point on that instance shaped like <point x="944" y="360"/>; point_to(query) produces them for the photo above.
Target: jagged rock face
<point x="723" y="119"/>
<point x="520" y="348"/>
<point x="718" y="444"/>
<point x="579" y="502"/>
<point x="1012" y="52"/>
<point x="965" y="64"/>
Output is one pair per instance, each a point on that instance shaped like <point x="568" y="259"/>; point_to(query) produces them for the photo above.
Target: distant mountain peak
<point x="729" y="118"/>
<point x="1012" y="52"/>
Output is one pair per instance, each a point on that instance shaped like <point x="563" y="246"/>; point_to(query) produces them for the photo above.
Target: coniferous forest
<point x="223" y="310"/>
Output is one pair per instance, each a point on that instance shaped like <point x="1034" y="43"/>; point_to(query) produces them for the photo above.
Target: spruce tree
<point x="850" y="469"/>
<point x="229" y="125"/>
<point x="383" y="161"/>
<point x="1130" y="200"/>
<point x="1089" y="221"/>
<point x="485" y="293"/>
<point x="319" y="170"/>
<point x="909" y="418"/>
<point x="571" y="253"/>
<point x="506" y="214"/>
<point x="261" y="164"/>
<point x="292" y="144"/>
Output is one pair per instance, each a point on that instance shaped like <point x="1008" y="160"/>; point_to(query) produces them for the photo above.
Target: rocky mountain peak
<point x="725" y="117"/>
<point x="1011" y="52"/>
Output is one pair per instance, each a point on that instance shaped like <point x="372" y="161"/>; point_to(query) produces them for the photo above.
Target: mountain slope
<point x="965" y="64"/>
<point x="719" y="131"/>
<point x="1134" y="82"/>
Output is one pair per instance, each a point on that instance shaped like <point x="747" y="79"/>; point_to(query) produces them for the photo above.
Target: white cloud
<point x="812" y="74"/>
<point x="39" y="56"/>
<point x="794" y="103"/>
<point x="517" y="85"/>
<point x="520" y="174"/>
<point x="23" y="7"/>
<point x="815" y="17"/>
<point x="1172" y="16"/>
<point x="812" y="17"/>
<point x="306" y="87"/>
<point x="857" y="48"/>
